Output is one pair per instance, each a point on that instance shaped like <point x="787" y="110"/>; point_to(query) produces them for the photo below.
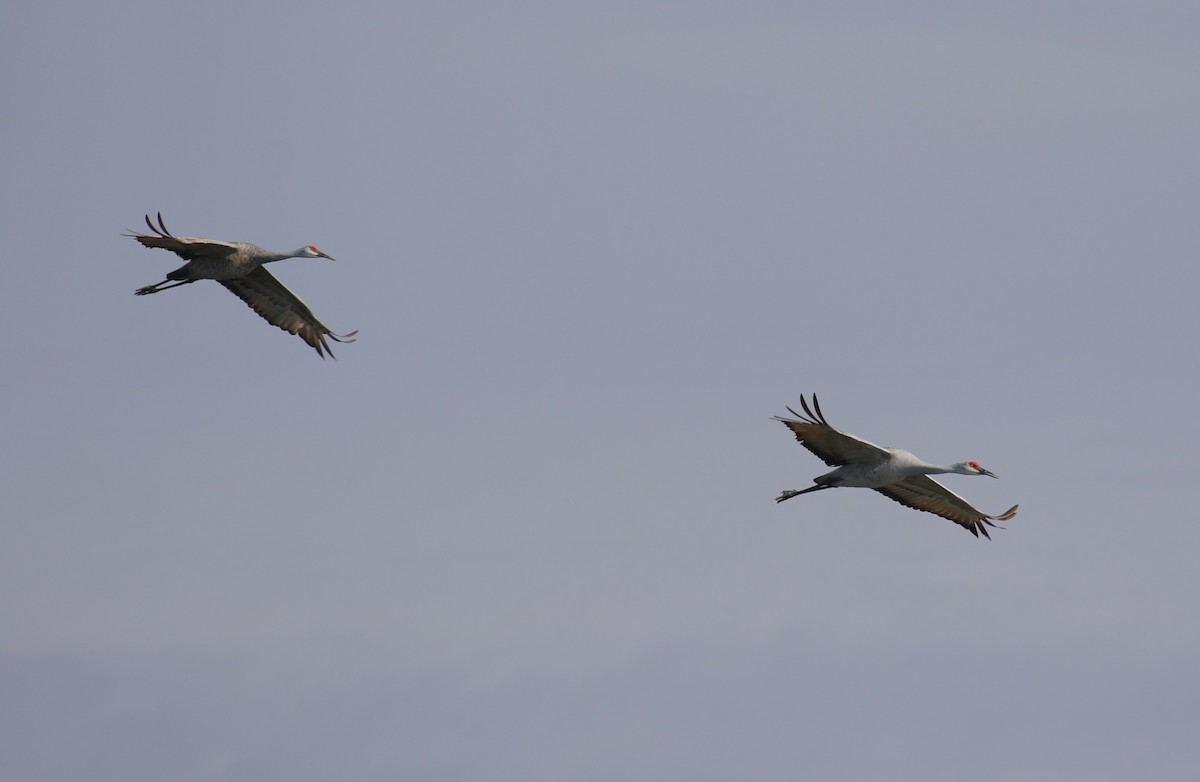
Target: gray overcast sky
<point x="523" y="529"/>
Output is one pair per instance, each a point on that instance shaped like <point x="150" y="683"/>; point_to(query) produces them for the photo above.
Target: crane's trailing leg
<point x="159" y="286"/>
<point x="789" y="493"/>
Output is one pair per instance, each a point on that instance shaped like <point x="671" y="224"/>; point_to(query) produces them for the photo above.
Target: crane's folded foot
<point x="787" y="495"/>
<point x="146" y="289"/>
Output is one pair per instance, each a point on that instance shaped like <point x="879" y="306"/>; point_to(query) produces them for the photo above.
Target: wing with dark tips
<point x="189" y="247"/>
<point x="280" y="307"/>
<point x="924" y="493"/>
<point x="830" y="445"/>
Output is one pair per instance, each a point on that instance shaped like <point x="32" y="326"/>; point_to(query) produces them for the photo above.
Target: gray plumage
<point x="239" y="267"/>
<point x="892" y="472"/>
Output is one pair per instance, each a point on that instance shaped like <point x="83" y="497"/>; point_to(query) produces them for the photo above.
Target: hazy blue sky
<point x="523" y="529"/>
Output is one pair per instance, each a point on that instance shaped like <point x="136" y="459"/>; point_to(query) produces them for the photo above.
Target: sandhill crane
<point x="890" y="471"/>
<point x="239" y="267"/>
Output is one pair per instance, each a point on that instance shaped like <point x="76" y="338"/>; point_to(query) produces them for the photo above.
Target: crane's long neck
<point x="918" y="467"/>
<point x="959" y="468"/>
<point x="271" y="257"/>
<point x="905" y="463"/>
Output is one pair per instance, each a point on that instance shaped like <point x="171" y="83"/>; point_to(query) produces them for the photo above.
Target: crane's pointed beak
<point x="330" y="257"/>
<point x="988" y="473"/>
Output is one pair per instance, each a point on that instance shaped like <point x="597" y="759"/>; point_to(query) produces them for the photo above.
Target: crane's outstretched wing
<point x="189" y="247"/>
<point x="831" y="446"/>
<point x="924" y="493"/>
<point x="280" y="307"/>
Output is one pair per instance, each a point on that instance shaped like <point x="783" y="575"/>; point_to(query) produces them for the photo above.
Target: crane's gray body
<point x="893" y="465"/>
<point x="223" y="260"/>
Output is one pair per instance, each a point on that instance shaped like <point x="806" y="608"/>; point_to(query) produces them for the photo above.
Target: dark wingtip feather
<point x="344" y="339"/>
<point x="817" y="405"/>
<point x="1006" y="515"/>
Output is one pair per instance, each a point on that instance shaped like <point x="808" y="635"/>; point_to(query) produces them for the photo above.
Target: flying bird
<point x="239" y="267"/>
<point x="892" y="472"/>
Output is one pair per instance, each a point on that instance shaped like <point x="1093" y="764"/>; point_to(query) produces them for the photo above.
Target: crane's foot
<point x="146" y="289"/>
<point x="789" y="493"/>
